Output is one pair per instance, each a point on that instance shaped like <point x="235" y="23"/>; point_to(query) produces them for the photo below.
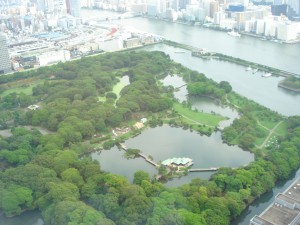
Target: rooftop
<point x="294" y="190"/>
<point x="280" y="215"/>
<point x="285" y="210"/>
<point x="177" y="161"/>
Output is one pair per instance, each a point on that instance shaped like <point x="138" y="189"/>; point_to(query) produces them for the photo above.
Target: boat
<point x="254" y="71"/>
<point x="266" y="75"/>
<point x="248" y="68"/>
<point x="179" y="51"/>
<point x="234" y="34"/>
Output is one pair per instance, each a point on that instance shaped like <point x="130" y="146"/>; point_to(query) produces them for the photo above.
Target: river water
<point x="263" y="91"/>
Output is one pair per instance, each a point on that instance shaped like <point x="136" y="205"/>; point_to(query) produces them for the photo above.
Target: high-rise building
<point x="214" y="7"/>
<point x="5" y="66"/>
<point x="294" y="6"/>
<point x="73" y="7"/>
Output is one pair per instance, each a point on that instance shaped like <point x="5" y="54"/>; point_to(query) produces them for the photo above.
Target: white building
<point x="50" y="57"/>
<point x="250" y="25"/>
<point x="260" y="26"/>
<point x="228" y="24"/>
<point x="111" y="45"/>
<point x="4" y="56"/>
<point x="270" y="27"/>
<point x="288" y="31"/>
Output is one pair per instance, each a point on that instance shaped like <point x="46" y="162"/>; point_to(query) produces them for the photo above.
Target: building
<point x="278" y="10"/>
<point x="214" y="7"/>
<point x="285" y="210"/>
<point x="51" y="57"/>
<point x="5" y="66"/>
<point x="294" y="7"/>
<point x="73" y="7"/>
<point x="288" y="31"/>
<point x="178" y="162"/>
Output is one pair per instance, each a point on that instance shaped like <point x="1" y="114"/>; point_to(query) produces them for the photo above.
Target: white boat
<point x="254" y="71"/>
<point x="233" y="33"/>
<point x="248" y="68"/>
<point x="266" y="75"/>
<point x="178" y="51"/>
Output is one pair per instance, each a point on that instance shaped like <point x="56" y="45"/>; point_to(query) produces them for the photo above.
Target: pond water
<point x="27" y="218"/>
<point x="264" y="91"/>
<point x="166" y="142"/>
<point x="203" y="104"/>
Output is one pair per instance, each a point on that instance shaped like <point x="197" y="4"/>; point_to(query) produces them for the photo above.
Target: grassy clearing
<point x="116" y="89"/>
<point x="18" y="87"/>
<point x="282" y="129"/>
<point x="268" y="124"/>
<point x="198" y="117"/>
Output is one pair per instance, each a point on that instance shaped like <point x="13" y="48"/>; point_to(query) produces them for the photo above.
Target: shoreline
<point x="288" y="88"/>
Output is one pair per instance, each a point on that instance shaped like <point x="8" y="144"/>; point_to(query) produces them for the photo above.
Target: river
<point x="264" y="91"/>
<point x="281" y="56"/>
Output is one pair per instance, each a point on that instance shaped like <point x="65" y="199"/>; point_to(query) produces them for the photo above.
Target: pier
<point x="147" y="159"/>
<point x="203" y="169"/>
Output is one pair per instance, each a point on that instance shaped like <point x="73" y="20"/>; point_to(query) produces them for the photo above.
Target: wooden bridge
<point x="203" y="169"/>
<point x="177" y="88"/>
<point x="141" y="155"/>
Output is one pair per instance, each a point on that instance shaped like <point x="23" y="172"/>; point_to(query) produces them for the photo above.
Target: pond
<point x="166" y="142"/>
<point x="27" y="218"/>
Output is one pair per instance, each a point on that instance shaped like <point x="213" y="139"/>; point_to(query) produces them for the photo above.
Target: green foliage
<point x="14" y="198"/>
<point x="140" y="176"/>
<point x="45" y="171"/>
<point x="132" y="153"/>
<point x="72" y="213"/>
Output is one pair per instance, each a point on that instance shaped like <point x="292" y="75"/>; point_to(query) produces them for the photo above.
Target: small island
<point x="291" y="83"/>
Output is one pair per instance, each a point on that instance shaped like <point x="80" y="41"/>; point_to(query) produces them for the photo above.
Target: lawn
<point x="268" y="124"/>
<point x="116" y="89"/>
<point x="18" y="87"/>
<point x="194" y="117"/>
<point x="282" y="129"/>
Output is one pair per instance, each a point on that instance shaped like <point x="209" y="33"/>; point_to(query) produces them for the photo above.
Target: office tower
<point x="279" y="2"/>
<point x="73" y="7"/>
<point x="294" y="6"/>
<point x="45" y="5"/>
<point x="214" y="7"/>
<point x="5" y="66"/>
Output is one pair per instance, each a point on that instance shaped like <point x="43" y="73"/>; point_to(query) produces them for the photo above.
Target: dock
<point x="203" y="169"/>
<point x="147" y="159"/>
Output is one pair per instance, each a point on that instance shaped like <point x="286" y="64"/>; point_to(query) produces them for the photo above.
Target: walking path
<point x="270" y="134"/>
<point x="196" y="122"/>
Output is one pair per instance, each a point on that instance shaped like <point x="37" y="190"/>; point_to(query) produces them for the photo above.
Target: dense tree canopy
<point x="50" y="172"/>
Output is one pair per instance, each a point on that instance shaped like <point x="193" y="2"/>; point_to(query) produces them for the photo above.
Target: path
<point x="196" y="122"/>
<point x="270" y="134"/>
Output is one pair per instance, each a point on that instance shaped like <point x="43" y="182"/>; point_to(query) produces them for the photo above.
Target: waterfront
<point x="264" y="91"/>
<point x="290" y="107"/>
<point x="281" y="56"/>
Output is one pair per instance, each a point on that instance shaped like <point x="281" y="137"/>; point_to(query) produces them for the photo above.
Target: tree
<point x="14" y="198"/>
<point x="225" y="86"/>
<point x="72" y="213"/>
<point x="73" y="176"/>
